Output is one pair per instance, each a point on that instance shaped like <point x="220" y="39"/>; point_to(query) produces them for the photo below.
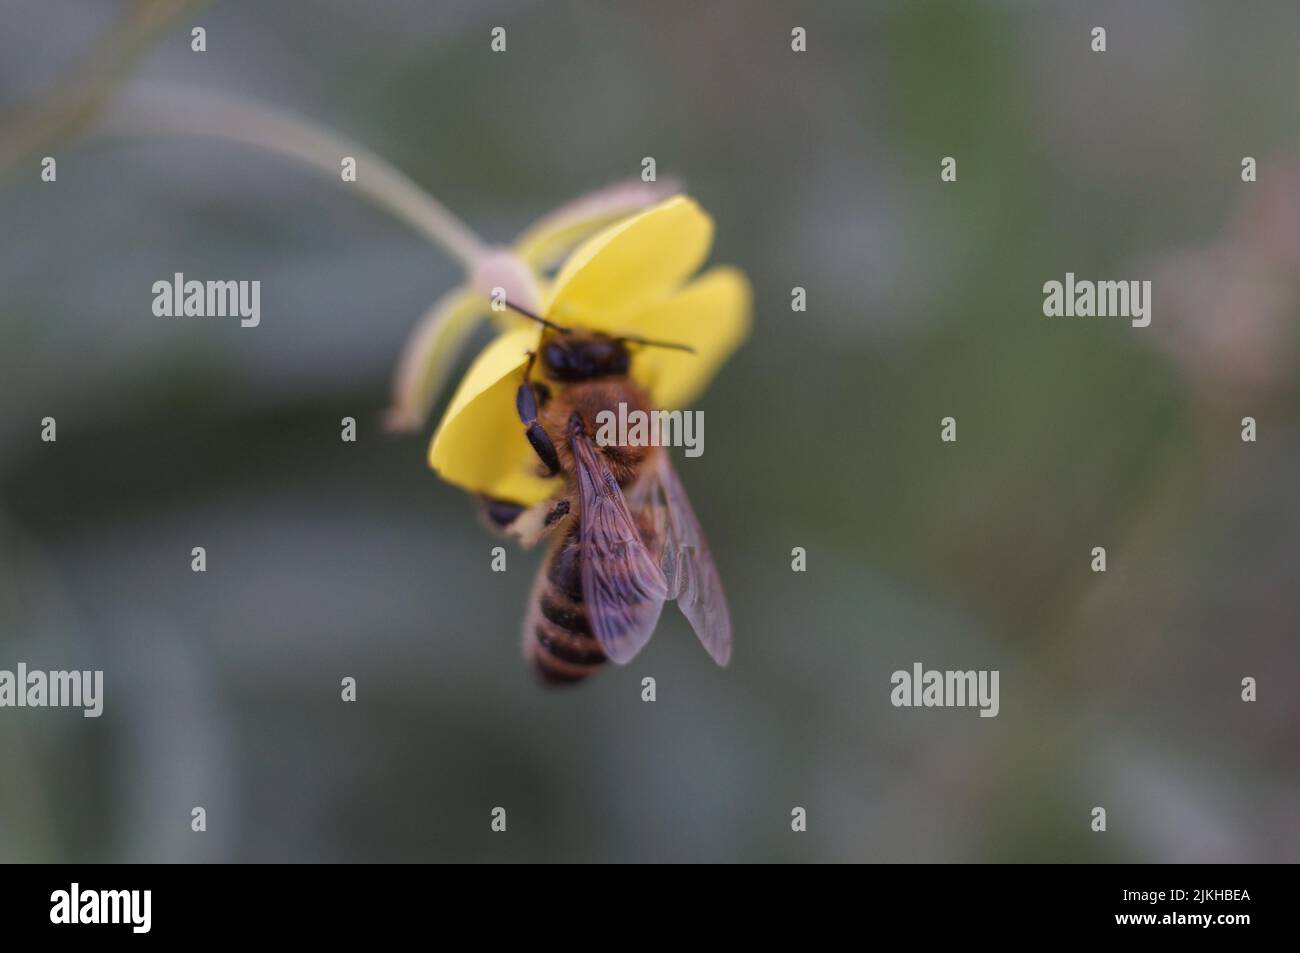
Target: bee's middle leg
<point x="499" y="514"/>
<point x="527" y="524"/>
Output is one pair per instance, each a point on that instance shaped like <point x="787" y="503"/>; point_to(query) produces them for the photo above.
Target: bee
<point x="625" y="538"/>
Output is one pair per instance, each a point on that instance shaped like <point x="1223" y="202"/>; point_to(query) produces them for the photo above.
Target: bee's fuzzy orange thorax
<point x="588" y="399"/>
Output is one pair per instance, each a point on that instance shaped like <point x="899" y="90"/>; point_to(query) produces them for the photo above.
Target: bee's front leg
<point x="527" y="399"/>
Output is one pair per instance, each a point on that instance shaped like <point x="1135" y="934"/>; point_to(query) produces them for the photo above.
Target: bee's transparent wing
<point x="623" y="588"/>
<point x="675" y="537"/>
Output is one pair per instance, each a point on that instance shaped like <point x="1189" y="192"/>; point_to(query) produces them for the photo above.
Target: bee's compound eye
<point x="556" y="358"/>
<point x="618" y="359"/>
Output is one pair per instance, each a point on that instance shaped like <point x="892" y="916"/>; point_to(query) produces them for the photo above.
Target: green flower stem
<point x="161" y="110"/>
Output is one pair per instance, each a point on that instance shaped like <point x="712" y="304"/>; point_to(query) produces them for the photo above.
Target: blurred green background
<point x="328" y="559"/>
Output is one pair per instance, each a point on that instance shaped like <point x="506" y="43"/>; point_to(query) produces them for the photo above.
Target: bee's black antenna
<point x="629" y="338"/>
<point x="648" y="343"/>
<point x="537" y="317"/>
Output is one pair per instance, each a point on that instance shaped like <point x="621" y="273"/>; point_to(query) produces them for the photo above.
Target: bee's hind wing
<point x="676" y="539"/>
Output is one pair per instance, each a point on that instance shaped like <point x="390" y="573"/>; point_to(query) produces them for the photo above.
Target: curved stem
<point x="185" y="111"/>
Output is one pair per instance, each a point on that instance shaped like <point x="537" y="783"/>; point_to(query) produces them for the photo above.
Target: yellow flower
<point x="631" y="278"/>
<point x="520" y="270"/>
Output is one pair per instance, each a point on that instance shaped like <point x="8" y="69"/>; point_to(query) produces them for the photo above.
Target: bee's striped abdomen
<point x="557" y="636"/>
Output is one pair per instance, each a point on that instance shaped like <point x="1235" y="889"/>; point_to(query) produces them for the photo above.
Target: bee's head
<point x="575" y="354"/>
<point x="583" y="355"/>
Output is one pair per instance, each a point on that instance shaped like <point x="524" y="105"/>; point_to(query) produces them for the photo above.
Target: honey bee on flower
<point x="625" y="321"/>
<point x="598" y="307"/>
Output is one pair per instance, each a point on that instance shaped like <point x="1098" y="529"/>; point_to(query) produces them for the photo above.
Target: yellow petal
<point x="480" y="443"/>
<point x="712" y="315"/>
<point x="632" y="265"/>
<point x="430" y="352"/>
<point x="548" y="240"/>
